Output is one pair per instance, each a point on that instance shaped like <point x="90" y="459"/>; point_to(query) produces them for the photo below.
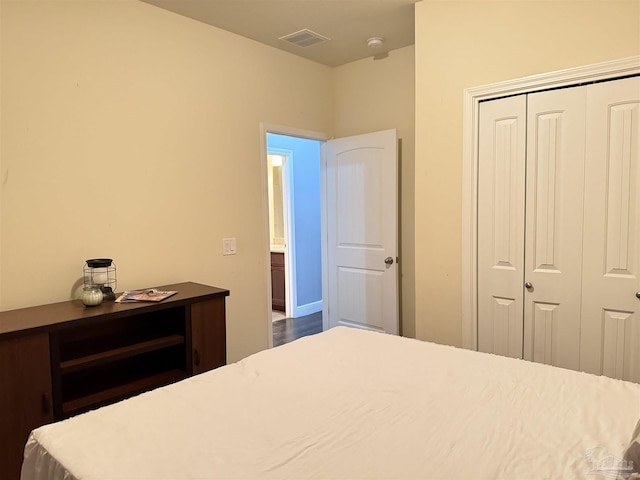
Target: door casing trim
<point x="291" y="132"/>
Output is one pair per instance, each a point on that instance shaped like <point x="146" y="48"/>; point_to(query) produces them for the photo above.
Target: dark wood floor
<point x="290" y="329"/>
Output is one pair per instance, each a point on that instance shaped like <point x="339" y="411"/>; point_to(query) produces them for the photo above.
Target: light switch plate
<point x="228" y="246"/>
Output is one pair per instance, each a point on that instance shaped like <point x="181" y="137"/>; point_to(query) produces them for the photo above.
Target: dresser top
<point x="62" y="314"/>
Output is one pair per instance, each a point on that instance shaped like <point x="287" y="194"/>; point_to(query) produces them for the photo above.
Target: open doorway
<point x="279" y="184"/>
<point x="359" y="257"/>
<point x="294" y="210"/>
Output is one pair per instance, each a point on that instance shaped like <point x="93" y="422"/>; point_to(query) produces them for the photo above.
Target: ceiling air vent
<point x="304" y="38"/>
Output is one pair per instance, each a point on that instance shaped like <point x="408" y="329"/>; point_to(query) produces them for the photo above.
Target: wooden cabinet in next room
<point x="278" y="298"/>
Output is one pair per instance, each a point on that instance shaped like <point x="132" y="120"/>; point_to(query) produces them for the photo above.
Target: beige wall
<point x="466" y="44"/>
<point x="372" y="95"/>
<point x="132" y="132"/>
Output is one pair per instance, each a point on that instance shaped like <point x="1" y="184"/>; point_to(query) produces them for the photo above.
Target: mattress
<point x="352" y="404"/>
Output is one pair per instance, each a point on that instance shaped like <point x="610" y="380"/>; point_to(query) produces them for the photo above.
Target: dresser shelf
<point x="119" y="353"/>
<point x="110" y="395"/>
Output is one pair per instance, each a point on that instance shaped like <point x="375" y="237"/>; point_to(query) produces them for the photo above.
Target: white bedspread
<point x="352" y="404"/>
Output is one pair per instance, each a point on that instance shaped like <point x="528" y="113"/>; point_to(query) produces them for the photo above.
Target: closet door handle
<point x="638" y="294"/>
<point x="528" y="286"/>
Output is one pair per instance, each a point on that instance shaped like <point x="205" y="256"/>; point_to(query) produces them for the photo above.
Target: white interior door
<point x="553" y="238"/>
<point x="501" y="194"/>
<point x="610" y="341"/>
<point x="362" y="231"/>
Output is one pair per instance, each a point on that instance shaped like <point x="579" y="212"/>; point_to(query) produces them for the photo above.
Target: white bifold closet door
<point x="553" y="226"/>
<point x="501" y="197"/>
<point x="558" y="228"/>
<point x="530" y="226"/>
<point x="610" y="339"/>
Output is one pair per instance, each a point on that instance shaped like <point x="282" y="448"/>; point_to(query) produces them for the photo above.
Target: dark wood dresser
<point x="62" y="359"/>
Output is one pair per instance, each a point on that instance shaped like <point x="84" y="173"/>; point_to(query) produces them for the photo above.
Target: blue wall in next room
<point x="306" y="208"/>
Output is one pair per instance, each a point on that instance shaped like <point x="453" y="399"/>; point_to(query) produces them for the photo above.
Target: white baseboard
<point x="307" y="309"/>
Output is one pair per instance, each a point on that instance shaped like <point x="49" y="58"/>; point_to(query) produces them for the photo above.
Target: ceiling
<point x="347" y="23"/>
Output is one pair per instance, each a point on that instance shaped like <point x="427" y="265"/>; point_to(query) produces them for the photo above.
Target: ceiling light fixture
<point x="375" y="42"/>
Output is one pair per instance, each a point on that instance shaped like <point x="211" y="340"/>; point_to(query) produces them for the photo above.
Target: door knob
<point x="638" y="294"/>
<point x="388" y="260"/>
<point x="528" y="285"/>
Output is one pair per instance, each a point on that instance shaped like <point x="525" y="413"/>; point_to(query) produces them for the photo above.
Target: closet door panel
<point x="610" y="317"/>
<point x="501" y="225"/>
<point x="554" y="211"/>
<point x="621" y="346"/>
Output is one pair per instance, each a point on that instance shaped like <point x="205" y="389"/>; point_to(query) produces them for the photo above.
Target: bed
<point x="354" y="404"/>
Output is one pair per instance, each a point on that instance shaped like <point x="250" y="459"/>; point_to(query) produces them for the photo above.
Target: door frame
<point x="472" y="97"/>
<point x="265" y="128"/>
<point x="289" y="233"/>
